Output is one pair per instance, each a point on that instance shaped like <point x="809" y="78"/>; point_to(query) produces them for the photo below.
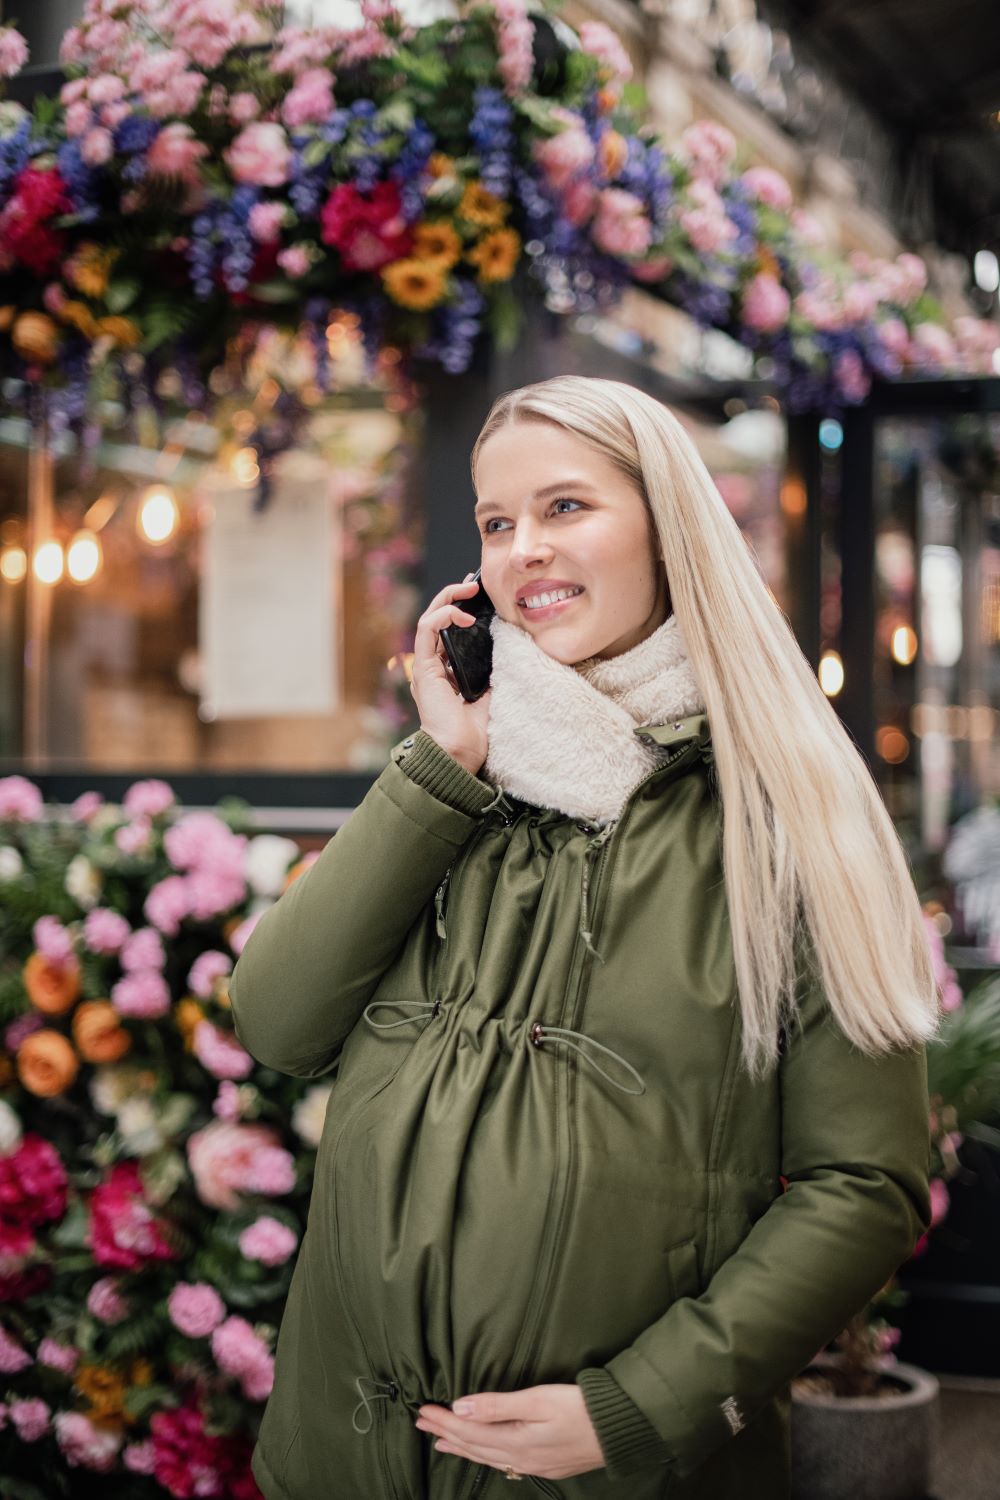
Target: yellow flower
<point x="436" y="241"/>
<point x="81" y="317"/>
<point x="415" y="284"/>
<point x="88" y="269"/>
<point x="440" y="165"/>
<point x="103" y="1388"/>
<point x="35" y="336"/>
<point x="480" y="206"/>
<point x="188" y="1014"/>
<point x="142" y="1372"/>
<point x="122" y="330"/>
<point x="496" y="255"/>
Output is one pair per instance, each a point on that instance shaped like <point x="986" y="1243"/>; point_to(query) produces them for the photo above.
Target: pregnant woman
<point x="621" y="975"/>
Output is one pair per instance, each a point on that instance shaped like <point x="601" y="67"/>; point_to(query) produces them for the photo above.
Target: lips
<point x="553" y="608"/>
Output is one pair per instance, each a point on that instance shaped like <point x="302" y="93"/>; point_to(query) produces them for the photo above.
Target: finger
<point x="429" y="627"/>
<point x="444" y="596"/>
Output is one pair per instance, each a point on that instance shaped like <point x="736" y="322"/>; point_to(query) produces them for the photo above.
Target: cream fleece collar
<point x="564" y="737"/>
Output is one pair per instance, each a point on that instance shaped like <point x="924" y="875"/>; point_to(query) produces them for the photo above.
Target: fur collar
<point x="564" y="737"/>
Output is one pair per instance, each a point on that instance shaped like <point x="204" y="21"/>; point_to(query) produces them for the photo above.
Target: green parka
<point x="543" y="1160"/>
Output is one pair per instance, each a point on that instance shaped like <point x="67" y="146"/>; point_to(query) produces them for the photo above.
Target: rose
<point x="52" y="988"/>
<point x="96" y="1031"/>
<point x="176" y="153"/>
<point x="260" y="155"/>
<point x="766" y="304"/>
<point x="768" y="187"/>
<point x="46" y="1064"/>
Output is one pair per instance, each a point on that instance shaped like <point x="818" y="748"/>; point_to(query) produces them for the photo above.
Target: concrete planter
<point x="865" y="1447"/>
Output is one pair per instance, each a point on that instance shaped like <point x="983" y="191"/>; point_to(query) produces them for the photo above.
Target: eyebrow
<point x="546" y="490"/>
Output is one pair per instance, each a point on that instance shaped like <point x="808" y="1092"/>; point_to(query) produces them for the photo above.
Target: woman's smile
<point x="546" y="603"/>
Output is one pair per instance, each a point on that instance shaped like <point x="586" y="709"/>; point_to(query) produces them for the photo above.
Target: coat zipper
<point x="548" y="1252"/>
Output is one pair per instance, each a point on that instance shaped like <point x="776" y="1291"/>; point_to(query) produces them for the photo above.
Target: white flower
<point x="310" y="1112"/>
<point x="113" y="1084"/>
<point x="83" y="882"/>
<point x="266" y="864"/>
<point x="11" y="863"/>
<point x="10" y="1129"/>
<point x="139" y="1126"/>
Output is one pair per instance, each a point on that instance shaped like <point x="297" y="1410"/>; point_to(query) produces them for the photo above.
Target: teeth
<point x="539" y="601"/>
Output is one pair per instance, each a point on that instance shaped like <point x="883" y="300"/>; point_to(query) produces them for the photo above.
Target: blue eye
<point x="564" y="500"/>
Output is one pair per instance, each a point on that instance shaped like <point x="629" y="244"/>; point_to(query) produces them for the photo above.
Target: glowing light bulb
<point x="158" y="515"/>
<point x="904" y="645"/>
<point x="246" y="470"/>
<point x="83" y="559"/>
<point x="13" y="564"/>
<point x="831" y="673"/>
<point x="48" y="562"/>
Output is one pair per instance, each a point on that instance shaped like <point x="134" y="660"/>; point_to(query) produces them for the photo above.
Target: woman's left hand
<point x="544" y="1430"/>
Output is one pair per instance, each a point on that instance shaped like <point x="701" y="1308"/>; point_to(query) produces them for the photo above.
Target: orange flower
<point x="6" y="1071"/>
<point x="612" y="153"/>
<point x="437" y="241"/>
<point x="81" y="317"/>
<point x="122" y="330"/>
<point x="98" y="1034"/>
<point x="52" y="988"/>
<point x="35" y="336"/>
<point x="416" y="284"/>
<point x="188" y="1014"/>
<point x="105" y="1391"/>
<point x="439" y="165"/>
<point x="46" y="1063"/>
<point x="480" y="206"/>
<point x="7" y="315"/>
<point x="295" y="872"/>
<point x="496" y="255"/>
<point x="767" y="263"/>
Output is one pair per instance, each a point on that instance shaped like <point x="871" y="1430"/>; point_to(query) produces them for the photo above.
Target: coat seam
<point x="441" y="838"/>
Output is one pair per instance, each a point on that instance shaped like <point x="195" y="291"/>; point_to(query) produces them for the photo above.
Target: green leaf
<point x="121" y="294"/>
<point x="316" y="153"/>
<point x="274" y="291"/>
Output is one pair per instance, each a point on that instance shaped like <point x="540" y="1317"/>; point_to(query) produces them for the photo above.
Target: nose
<point x="529" y="544"/>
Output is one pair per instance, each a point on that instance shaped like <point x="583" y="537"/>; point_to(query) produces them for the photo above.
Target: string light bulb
<point x="13" y="564"/>
<point x="48" y="562"/>
<point x="158" y="514"/>
<point x="831" y="673"/>
<point x="84" y="557"/>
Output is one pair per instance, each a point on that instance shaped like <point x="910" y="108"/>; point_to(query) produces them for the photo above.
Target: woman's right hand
<point x="458" y="726"/>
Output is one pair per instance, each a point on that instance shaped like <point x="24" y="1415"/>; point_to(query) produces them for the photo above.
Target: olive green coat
<point x="542" y="1163"/>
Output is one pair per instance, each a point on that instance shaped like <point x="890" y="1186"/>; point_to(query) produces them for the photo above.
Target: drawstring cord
<point x="538" y="1033"/>
<point x="390" y="1390"/>
<point x="593" y="845"/>
<point x="439" y="922"/>
<point x="430" y="1006"/>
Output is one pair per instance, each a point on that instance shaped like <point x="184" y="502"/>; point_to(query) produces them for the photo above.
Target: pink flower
<point x="104" y="930"/>
<point x="808" y="227"/>
<point x="20" y="799"/>
<point x="820" y="311"/>
<point x="564" y="156"/>
<point x="227" y="1104"/>
<point x="61" y="1357"/>
<point x="105" y="1302"/>
<point x="894" y="336"/>
<point x="147" y="799"/>
<point x="621" y="226"/>
<point x="54" y="298"/>
<point x="13" y="1356"/>
<point x="70" y="93"/>
<point x="601" y="42"/>
<point x="709" y="148"/>
<point x="85" y="806"/>
<point x="123" y="1230"/>
<point x="106" y="89"/>
<point x="143" y="995"/>
<point x="265" y="221"/>
<point x="766" y="304"/>
<point x="167" y="904"/>
<point x="78" y="117"/>
<point x="179" y="96"/>
<point x="768" y="187"/>
<point x="199" y="839"/>
<point x="175" y="153"/>
<point x="860" y="301"/>
<point x="195" y="1308"/>
<point x="238" y="938"/>
<point x="914" y="276"/>
<point x="294" y="261"/>
<point x="853" y="380"/>
<point x="273" y="1172"/>
<point x="654" y="269"/>
<point x="13" y="52"/>
<point x="515" y="39"/>
<point x="222" y="1158"/>
<point x="579" y="201"/>
<point x="311" y="100"/>
<point x="134" y="837"/>
<point x="30" y="1418"/>
<point x="243" y="108"/>
<point x="53" y="941"/>
<point x="140" y="1458"/>
<point x="237" y="1349"/>
<point x="206" y="969"/>
<point x="84" y="1445"/>
<point x="932" y="346"/>
<point x="268" y="1241"/>
<point x="940" y="1200"/>
<point x="213" y="891"/>
<point x="24" y="1025"/>
<point x="706" y="230"/>
<point x="220" y="1053"/>
<point x="260" y="155"/>
<point x="143" y="950"/>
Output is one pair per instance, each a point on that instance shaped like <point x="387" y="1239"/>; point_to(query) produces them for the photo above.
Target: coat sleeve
<point x="855" y="1154"/>
<point x="315" y="958"/>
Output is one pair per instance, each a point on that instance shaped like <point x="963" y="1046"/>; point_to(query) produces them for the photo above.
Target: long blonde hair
<point x="808" y="849"/>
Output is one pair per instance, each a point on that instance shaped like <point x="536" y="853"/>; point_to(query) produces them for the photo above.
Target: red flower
<point x="32" y="1183"/>
<point x="25" y="233"/>
<point x="368" y="230"/>
<point x="123" y="1230"/>
<point x="18" y="1278"/>
<point x="186" y="1461"/>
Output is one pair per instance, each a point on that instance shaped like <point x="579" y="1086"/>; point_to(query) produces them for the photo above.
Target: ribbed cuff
<point x="424" y="761"/>
<point x="628" y="1440"/>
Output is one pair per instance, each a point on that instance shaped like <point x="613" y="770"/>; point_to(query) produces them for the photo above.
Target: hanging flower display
<point x="205" y="163"/>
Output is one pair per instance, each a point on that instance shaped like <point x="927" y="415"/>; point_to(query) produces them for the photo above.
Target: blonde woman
<point x="622" y="975"/>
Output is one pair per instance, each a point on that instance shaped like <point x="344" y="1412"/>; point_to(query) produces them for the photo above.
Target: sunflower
<point x="437" y="242"/>
<point x="440" y="165"/>
<point x="416" y="284"/>
<point x="122" y="330"/>
<point x="88" y="268"/>
<point x="496" y="255"/>
<point x="480" y="206"/>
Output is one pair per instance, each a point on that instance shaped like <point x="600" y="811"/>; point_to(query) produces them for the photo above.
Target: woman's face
<point x="555" y="515"/>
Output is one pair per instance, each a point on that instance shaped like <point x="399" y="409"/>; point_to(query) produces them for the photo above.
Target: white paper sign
<point x="269" y="605"/>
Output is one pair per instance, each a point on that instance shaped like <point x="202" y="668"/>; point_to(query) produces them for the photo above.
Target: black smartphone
<point x="469" y="648"/>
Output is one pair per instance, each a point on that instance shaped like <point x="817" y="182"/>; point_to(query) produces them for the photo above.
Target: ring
<point x="510" y="1473"/>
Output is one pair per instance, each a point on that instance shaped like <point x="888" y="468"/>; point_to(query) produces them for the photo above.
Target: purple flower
<point x="142" y="995"/>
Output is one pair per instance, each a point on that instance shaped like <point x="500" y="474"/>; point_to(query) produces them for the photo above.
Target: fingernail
<point x="462" y="1408"/>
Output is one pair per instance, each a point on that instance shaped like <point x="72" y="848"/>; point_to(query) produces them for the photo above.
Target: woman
<point x="631" y="1112"/>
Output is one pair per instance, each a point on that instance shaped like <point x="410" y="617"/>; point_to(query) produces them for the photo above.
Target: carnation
<point x="20" y="799"/>
<point x="268" y="1240"/>
<point x="53" y="941"/>
<point x="83" y="1444"/>
<point x="106" y="1303"/>
<point x="104" y="930"/>
<point x="219" y="1053"/>
<point x="207" y="968"/>
<point x="148" y="799"/>
<point x="30" y="1418"/>
<point x="195" y="1309"/>
<point x="144" y="995"/>
<point x="13" y="1356"/>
